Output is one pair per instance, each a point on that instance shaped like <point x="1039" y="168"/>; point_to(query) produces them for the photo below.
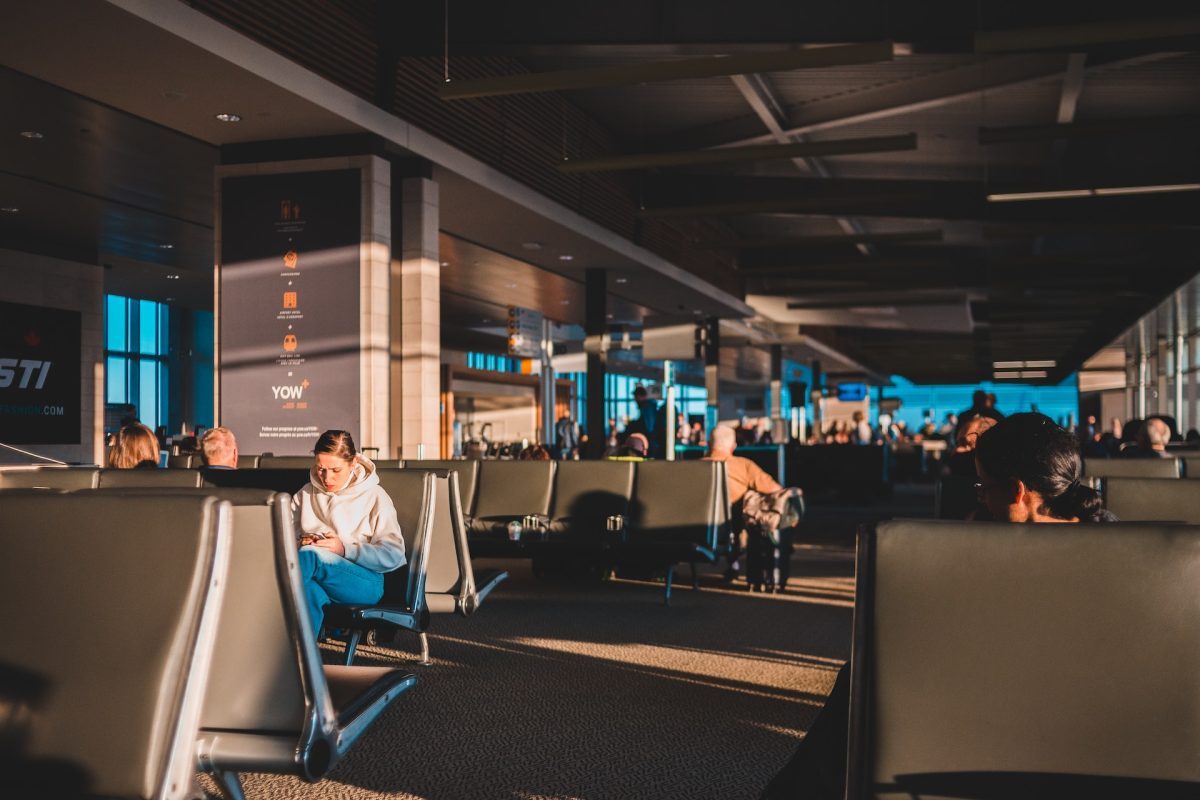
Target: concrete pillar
<point x="1180" y="410"/>
<point x="595" y="324"/>
<point x="712" y="373"/>
<point x="546" y="384"/>
<point x="416" y="327"/>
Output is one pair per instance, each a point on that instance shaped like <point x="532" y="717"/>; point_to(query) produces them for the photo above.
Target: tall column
<point x="1179" y="411"/>
<point x="1143" y="369"/>
<point x="778" y="424"/>
<point x="595" y="325"/>
<point x="712" y="373"/>
<point x="416" y="327"/>
<point x="546" y="383"/>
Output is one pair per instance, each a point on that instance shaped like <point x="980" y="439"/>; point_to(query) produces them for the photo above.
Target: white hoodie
<point x="360" y="513"/>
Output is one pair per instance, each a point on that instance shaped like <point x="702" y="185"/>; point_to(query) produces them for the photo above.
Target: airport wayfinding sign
<point x="524" y="332"/>
<point x="289" y="308"/>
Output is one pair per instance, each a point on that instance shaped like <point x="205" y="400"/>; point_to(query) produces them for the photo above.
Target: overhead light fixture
<point x="622" y="280"/>
<point x="1024" y="364"/>
<point x="1108" y="191"/>
<point x="32" y="135"/>
<point x="565" y="302"/>
<point x="445" y="263"/>
<point x="173" y="276"/>
<point x="166" y="246"/>
<point x="170" y="299"/>
<point x="228" y="117"/>
<point x="9" y="209"/>
<point x="1019" y="375"/>
<point x="566" y="257"/>
<point x="531" y="245"/>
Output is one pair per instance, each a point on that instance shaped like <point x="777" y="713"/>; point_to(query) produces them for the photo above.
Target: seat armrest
<point x="359" y="694"/>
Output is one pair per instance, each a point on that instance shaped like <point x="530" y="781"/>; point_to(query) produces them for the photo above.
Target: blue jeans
<point x="329" y="578"/>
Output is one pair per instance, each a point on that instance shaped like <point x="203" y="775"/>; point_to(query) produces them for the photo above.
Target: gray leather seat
<point x="415" y="495"/>
<point x="148" y="478"/>
<point x="64" y="478"/>
<point x="183" y="461"/>
<point x="680" y="512"/>
<point x="586" y="493"/>
<point x="452" y="585"/>
<point x="139" y="583"/>
<point x="389" y="463"/>
<point x="248" y="461"/>
<point x="994" y="660"/>
<point x="284" y="462"/>
<point x="1191" y="466"/>
<point x="511" y="490"/>
<point x="271" y="705"/>
<point x="1152" y="500"/>
<point x="468" y="477"/>
<point x="1132" y="468"/>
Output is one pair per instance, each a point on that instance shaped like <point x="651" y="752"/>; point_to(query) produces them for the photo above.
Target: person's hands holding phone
<point x="329" y="542"/>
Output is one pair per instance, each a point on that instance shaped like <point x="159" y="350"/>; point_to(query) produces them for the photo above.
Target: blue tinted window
<point x="148" y="328"/>
<point x="114" y="376"/>
<point x="147" y="406"/>
<point x="115" y="338"/>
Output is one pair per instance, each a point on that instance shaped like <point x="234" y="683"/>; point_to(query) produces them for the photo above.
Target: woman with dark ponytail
<point x="1029" y="471"/>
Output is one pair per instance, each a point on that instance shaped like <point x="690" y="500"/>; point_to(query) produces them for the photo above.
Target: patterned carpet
<point x="568" y="689"/>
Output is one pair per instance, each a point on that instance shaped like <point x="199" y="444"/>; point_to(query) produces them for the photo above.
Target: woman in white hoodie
<point x="349" y="534"/>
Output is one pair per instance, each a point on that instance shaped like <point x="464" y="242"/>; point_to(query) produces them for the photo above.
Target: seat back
<point x="285" y="462"/>
<point x="446" y="547"/>
<point x="468" y="477"/>
<point x="183" y="461"/>
<point x="415" y="494"/>
<point x="954" y="497"/>
<point x="680" y="501"/>
<point x="248" y="461"/>
<point x="1152" y="500"/>
<point x="989" y="651"/>
<point x="389" y="463"/>
<point x="65" y="478"/>
<point x="590" y="491"/>
<point x="514" y="488"/>
<point x="148" y="478"/>
<point x="1191" y="466"/>
<point x="1132" y="468"/>
<point x="276" y="480"/>
<point x="139" y="583"/>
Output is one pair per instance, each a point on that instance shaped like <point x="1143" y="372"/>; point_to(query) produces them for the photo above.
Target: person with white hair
<point x="762" y="509"/>
<point x="218" y="449"/>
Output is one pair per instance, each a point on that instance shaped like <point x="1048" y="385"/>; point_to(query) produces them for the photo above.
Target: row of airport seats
<point x="440" y="577"/>
<point x="184" y="654"/>
<point x="1084" y="683"/>
<point x="267" y="461"/>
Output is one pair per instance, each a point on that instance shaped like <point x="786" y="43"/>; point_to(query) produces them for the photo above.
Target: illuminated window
<point x="135" y="350"/>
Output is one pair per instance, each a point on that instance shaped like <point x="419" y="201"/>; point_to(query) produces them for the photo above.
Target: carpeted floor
<point x="568" y="689"/>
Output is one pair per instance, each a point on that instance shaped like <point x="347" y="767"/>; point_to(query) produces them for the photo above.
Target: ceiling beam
<point x="1084" y="34"/>
<point x="727" y="155"/>
<point x="1095" y="129"/>
<point x="931" y="93"/>
<point x="654" y="71"/>
<point x="827" y="241"/>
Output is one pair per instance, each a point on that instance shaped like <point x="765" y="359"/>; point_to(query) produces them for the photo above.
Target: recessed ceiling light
<point x="566" y="257"/>
<point x="225" y="117"/>
<point x="565" y="302"/>
<point x="445" y="263"/>
<point x="173" y="276"/>
<point x="512" y="285"/>
<point x="166" y="246"/>
<point x="170" y="299"/>
<point x="532" y="245"/>
<point x="32" y="135"/>
<point x="9" y="210"/>
<point x="622" y="280"/>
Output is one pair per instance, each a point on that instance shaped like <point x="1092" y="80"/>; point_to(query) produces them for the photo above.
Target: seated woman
<point x="1029" y="472"/>
<point x="349" y="534"/>
<point x="134" y="447"/>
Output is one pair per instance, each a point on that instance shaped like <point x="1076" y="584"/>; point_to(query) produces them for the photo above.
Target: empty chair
<point x="511" y="490"/>
<point x="139" y="583"/>
<point x="451" y="583"/>
<point x="183" y="461"/>
<point x="271" y="705"/>
<point x="1132" y="468"/>
<point x="64" y="478"/>
<point x="248" y="461"/>
<point x="285" y="462"/>
<point x="468" y="477"/>
<point x="680" y="512"/>
<point x="991" y="660"/>
<point x="149" y="478"/>
<point x="1152" y="500"/>
<point x="415" y="495"/>
<point x="586" y="493"/>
